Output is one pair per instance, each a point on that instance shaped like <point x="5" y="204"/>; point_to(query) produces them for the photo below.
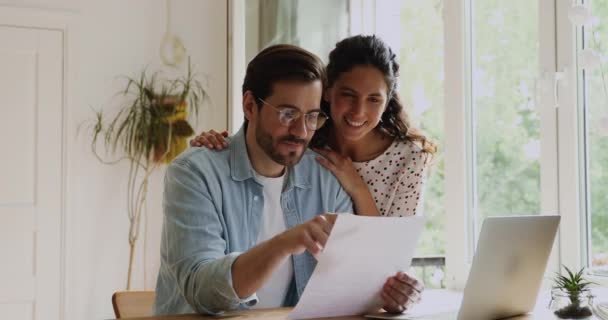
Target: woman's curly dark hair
<point x="372" y="51"/>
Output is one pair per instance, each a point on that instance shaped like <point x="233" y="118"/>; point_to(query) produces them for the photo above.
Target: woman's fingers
<point x="330" y="155"/>
<point x="194" y="143"/>
<point x="327" y="164"/>
<point x="200" y="141"/>
<point x="216" y="139"/>
<point x="211" y="139"/>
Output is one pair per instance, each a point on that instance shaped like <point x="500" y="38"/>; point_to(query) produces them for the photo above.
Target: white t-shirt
<point x="272" y="293"/>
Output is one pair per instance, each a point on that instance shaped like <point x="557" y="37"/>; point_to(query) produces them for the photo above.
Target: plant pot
<point x="170" y="128"/>
<point x="571" y="305"/>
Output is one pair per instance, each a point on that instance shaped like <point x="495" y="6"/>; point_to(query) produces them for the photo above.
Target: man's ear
<point x="249" y="104"/>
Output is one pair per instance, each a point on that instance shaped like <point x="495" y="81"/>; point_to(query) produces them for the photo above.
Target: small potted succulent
<point x="571" y="297"/>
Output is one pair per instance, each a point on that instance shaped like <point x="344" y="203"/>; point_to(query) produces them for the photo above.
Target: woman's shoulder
<point x="407" y="145"/>
<point x="410" y="152"/>
<point x="402" y="150"/>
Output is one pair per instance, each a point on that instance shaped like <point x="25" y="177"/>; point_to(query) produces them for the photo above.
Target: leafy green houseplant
<point x="150" y="129"/>
<point x="573" y="291"/>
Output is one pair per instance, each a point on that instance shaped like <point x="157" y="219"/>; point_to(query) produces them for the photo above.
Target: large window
<point x="417" y="37"/>
<point x="506" y="124"/>
<point x="594" y="130"/>
<point x="414" y="30"/>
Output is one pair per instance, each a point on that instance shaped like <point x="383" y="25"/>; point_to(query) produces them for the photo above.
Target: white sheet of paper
<point x="360" y="254"/>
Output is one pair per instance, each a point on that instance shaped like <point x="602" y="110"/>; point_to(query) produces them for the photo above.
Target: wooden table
<point x="439" y="301"/>
<point x="281" y="314"/>
<point x="265" y="314"/>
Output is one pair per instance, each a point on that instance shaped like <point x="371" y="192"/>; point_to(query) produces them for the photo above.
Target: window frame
<point x="568" y="144"/>
<point x="575" y="176"/>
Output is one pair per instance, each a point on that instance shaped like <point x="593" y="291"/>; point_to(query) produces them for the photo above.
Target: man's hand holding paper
<point x="400" y="292"/>
<point x="360" y="269"/>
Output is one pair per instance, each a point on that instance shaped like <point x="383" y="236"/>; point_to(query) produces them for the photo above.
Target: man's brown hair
<point x="282" y="62"/>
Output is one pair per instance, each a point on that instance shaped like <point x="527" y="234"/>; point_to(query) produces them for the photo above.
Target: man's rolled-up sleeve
<point x="194" y="247"/>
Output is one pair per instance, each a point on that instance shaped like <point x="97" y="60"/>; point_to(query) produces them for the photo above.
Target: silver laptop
<point x="507" y="269"/>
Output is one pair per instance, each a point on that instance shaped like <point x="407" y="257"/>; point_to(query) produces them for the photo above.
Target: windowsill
<point x="436" y="301"/>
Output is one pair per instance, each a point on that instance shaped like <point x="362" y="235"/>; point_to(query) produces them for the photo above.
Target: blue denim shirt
<point x="212" y="210"/>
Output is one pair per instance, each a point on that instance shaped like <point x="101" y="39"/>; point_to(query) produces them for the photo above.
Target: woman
<point x="369" y="143"/>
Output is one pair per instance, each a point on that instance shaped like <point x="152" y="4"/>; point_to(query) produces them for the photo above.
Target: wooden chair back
<point x="133" y="304"/>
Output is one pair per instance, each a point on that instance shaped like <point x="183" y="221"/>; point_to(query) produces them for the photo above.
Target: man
<point x="242" y="225"/>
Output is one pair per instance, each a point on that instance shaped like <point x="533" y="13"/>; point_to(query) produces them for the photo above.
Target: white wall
<point x="107" y="39"/>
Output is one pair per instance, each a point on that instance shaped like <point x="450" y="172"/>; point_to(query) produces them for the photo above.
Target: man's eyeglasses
<point x="287" y="115"/>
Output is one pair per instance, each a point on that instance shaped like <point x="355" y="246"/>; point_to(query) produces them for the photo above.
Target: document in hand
<point x="360" y="254"/>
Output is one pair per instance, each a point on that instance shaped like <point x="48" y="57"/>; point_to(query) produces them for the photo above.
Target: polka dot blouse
<point x="396" y="179"/>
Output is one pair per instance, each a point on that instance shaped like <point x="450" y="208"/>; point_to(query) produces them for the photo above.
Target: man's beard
<point x="267" y="143"/>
